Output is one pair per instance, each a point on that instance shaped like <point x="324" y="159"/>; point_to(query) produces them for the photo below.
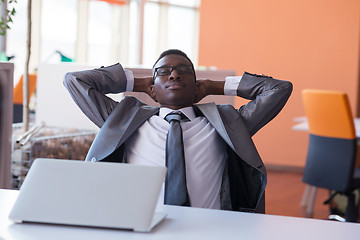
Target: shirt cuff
<point x="129" y="80"/>
<point x="231" y="85"/>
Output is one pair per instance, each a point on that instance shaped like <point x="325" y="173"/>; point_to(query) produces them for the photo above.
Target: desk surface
<point x="185" y="223"/>
<point x="301" y="124"/>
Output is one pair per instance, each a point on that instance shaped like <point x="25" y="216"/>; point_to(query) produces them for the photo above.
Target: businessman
<point x="219" y="166"/>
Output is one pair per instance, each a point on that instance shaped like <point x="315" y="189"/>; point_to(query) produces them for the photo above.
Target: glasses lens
<point x="184" y="69"/>
<point x="163" y="71"/>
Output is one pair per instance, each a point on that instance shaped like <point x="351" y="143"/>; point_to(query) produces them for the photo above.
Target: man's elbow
<point x="69" y="79"/>
<point x="287" y="88"/>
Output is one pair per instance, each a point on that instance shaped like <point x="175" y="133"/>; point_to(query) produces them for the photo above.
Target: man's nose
<point x="174" y="75"/>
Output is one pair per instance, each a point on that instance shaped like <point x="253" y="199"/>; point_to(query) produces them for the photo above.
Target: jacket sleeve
<point x="89" y="88"/>
<point x="268" y="96"/>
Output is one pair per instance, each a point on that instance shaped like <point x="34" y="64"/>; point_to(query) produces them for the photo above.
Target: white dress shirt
<point x="205" y="150"/>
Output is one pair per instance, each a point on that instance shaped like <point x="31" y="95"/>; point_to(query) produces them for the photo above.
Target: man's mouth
<point x="174" y="85"/>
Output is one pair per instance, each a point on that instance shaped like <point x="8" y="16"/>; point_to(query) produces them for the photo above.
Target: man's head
<point x="176" y="52"/>
<point x="174" y="80"/>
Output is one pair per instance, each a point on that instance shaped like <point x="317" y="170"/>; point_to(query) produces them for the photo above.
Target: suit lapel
<point x="143" y="114"/>
<point x="117" y="130"/>
<point x="243" y="146"/>
<point x="211" y="112"/>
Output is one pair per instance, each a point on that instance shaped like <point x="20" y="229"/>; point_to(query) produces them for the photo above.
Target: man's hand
<point x="144" y="85"/>
<point x="208" y="87"/>
<point x="202" y="89"/>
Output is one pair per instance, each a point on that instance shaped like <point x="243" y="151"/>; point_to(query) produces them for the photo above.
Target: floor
<point x="284" y="192"/>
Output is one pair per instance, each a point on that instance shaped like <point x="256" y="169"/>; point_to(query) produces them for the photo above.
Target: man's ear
<point x="152" y="93"/>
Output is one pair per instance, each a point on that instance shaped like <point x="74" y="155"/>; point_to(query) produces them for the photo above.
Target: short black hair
<point x="176" y="52"/>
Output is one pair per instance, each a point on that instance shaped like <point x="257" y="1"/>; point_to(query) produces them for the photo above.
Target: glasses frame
<point x="172" y="69"/>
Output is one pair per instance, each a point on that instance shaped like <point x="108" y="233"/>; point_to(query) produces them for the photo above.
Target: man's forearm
<point x="144" y="85"/>
<point x="141" y="84"/>
<point x="268" y="97"/>
<point x="207" y="87"/>
<point x="105" y="80"/>
<point x="89" y="88"/>
<point x="216" y="87"/>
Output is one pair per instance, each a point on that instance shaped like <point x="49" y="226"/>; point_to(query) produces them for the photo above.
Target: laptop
<point x="100" y="194"/>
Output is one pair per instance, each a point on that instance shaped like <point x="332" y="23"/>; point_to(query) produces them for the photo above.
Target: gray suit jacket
<point x="244" y="177"/>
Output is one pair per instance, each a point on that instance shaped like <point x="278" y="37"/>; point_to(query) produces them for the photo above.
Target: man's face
<point x="176" y="90"/>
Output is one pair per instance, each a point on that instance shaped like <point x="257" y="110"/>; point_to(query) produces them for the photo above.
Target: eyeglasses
<point x="167" y="70"/>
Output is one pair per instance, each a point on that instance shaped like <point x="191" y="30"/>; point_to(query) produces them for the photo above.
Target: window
<point x="16" y="40"/>
<point x="58" y="29"/>
<point x="98" y="33"/>
<point x="152" y="31"/>
<point x="181" y="34"/>
<point x="170" y="24"/>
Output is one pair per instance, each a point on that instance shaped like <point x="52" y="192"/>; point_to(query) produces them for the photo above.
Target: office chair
<point x="18" y="89"/>
<point x="18" y="96"/>
<point x="332" y="149"/>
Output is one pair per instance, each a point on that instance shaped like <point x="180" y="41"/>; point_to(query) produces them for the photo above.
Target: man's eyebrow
<point x="180" y="64"/>
<point x="166" y="65"/>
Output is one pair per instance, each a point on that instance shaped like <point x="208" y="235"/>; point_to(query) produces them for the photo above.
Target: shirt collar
<point x="187" y="111"/>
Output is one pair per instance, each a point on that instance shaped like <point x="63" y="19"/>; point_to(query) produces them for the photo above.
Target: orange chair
<point x="18" y="90"/>
<point x="18" y="96"/>
<point x="332" y="149"/>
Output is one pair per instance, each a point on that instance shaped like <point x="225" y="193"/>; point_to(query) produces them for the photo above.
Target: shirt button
<point x="93" y="159"/>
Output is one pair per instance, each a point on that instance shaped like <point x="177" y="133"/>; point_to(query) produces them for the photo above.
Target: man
<point x="223" y="167"/>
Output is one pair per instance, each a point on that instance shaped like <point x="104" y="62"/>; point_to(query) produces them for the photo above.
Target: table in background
<point x="301" y="124"/>
<point x="185" y="223"/>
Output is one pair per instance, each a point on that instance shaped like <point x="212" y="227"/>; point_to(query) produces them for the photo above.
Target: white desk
<point x="301" y="124"/>
<point x="185" y="224"/>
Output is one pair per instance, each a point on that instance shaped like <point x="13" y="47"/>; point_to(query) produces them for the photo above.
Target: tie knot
<point x="177" y="116"/>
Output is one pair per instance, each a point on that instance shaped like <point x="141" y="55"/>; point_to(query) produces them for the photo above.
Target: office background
<point x="313" y="44"/>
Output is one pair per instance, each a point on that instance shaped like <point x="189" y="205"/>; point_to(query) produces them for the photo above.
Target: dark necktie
<point x="175" y="181"/>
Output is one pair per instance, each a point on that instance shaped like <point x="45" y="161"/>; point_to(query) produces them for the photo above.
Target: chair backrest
<point x="332" y="139"/>
<point x="18" y="89"/>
